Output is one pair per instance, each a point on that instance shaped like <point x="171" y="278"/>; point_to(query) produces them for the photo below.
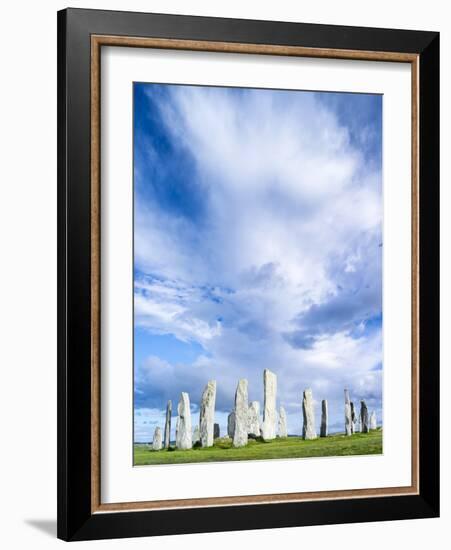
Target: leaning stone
<point x="216" y="431"/>
<point x="183" y="436"/>
<point x="373" y="421"/>
<point x="253" y="429"/>
<point x="231" y="424"/>
<point x="167" y="425"/>
<point x="268" y="428"/>
<point x="157" y="443"/>
<point x="348" y="414"/>
<point x="196" y="436"/>
<point x="364" y="417"/>
<point x="308" y="431"/>
<point x="324" y="418"/>
<point x="241" y="414"/>
<point x="207" y="414"/>
<point x="283" y="430"/>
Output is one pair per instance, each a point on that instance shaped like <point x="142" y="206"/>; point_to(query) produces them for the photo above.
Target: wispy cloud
<point x="165" y="307"/>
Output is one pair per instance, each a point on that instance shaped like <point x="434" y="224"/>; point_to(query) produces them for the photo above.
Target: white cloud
<point x="164" y="308"/>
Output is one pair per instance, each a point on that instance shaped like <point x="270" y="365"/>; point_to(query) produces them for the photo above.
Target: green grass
<point x="292" y="447"/>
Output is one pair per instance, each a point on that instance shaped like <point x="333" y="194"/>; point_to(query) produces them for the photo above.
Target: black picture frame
<point x="76" y="521"/>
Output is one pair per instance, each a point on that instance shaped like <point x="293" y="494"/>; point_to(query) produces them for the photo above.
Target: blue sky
<point x="258" y="244"/>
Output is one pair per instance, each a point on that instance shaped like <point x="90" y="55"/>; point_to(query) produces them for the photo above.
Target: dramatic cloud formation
<point x="258" y="244"/>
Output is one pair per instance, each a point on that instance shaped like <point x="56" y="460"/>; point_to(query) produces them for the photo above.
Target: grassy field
<point x="292" y="447"/>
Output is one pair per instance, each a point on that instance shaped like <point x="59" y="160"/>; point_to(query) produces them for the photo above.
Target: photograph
<point x="257" y="274"/>
<point x="248" y="272"/>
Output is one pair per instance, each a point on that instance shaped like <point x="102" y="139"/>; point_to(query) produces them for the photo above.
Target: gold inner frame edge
<point x="97" y="41"/>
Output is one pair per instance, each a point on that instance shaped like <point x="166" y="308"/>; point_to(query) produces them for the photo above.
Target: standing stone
<point x="196" y="436"/>
<point x="207" y="414"/>
<point x="268" y="429"/>
<point x="167" y="425"/>
<point x="324" y="418"/>
<point x="348" y="414"/>
<point x="216" y="431"/>
<point x="283" y="430"/>
<point x="373" y="421"/>
<point x="231" y="424"/>
<point x="183" y="436"/>
<point x="308" y="430"/>
<point x="364" y="417"/>
<point x="241" y="414"/>
<point x="352" y="418"/>
<point x="253" y="429"/>
<point x="157" y="443"/>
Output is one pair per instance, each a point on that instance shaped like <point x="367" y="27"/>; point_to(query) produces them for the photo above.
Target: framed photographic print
<point x="248" y="274"/>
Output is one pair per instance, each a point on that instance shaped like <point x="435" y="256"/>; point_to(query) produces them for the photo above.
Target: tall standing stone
<point x="231" y="424"/>
<point x="283" y="430"/>
<point x="216" y="431"/>
<point x="324" y="418"/>
<point x="157" y="443"/>
<point x="268" y="430"/>
<point x="253" y="429"/>
<point x="183" y="436"/>
<point x="167" y="425"/>
<point x="353" y="418"/>
<point x="241" y="414"/>
<point x="207" y="414"/>
<point x="308" y="430"/>
<point x="373" y="421"/>
<point x="364" y="417"/>
<point x="348" y="414"/>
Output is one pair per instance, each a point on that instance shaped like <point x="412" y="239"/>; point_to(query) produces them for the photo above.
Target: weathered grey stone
<point x="268" y="428"/>
<point x="207" y="414"/>
<point x="157" y="443"/>
<point x="196" y="436"/>
<point x="231" y="424"/>
<point x="241" y="414"/>
<point x="373" y="421"/>
<point x="167" y="425"/>
<point x="253" y="429"/>
<point x="353" y="418"/>
<point x="283" y="430"/>
<point x="216" y="431"/>
<point x="183" y="435"/>
<point x="324" y="418"/>
<point x="364" y="417"/>
<point x="308" y="429"/>
<point x="348" y="414"/>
